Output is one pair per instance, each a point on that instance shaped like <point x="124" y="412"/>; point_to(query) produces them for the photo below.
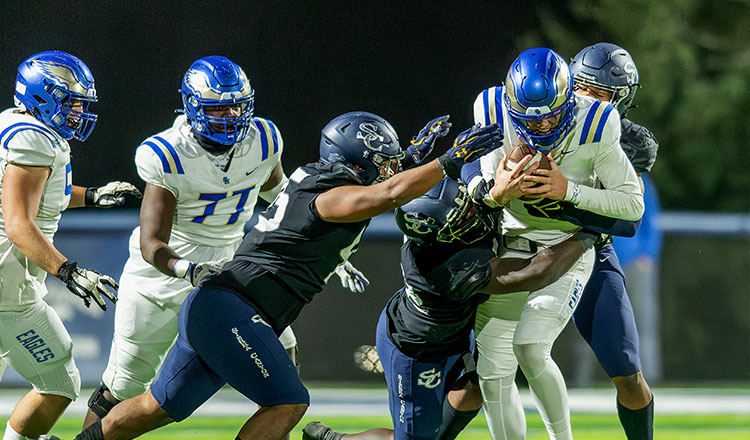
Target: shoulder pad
<point x="488" y="107"/>
<point x="269" y="137"/>
<point x="170" y="160"/>
<point x="30" y="144"/>
<point x="639" y="144"/>
<point x="595" y="121"/>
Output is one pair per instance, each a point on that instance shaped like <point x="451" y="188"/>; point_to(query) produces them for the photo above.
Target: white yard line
<point x="374" y="402"/>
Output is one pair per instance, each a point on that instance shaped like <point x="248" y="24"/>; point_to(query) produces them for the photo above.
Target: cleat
<point x="319" y="431"/>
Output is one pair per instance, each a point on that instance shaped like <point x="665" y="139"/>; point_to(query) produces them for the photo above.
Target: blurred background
<point x="688" y="272"/>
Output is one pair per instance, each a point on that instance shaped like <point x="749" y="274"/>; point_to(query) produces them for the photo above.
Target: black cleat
<point x="319" y="431"/>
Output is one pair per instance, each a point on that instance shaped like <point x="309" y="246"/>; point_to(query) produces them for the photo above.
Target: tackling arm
<point x="518" y="275"/>
<point x="272" y="187"/>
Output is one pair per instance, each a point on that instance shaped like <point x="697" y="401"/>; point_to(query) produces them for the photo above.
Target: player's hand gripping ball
<point x="538" y="157"/>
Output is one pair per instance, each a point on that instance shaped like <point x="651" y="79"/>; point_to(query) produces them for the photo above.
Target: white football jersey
<point x="215" y="196"/>
<point x="588" y="155"/>
<point x="26" y="141"/>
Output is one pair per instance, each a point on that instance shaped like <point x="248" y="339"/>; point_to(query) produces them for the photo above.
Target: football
<point x="517" y="154"/>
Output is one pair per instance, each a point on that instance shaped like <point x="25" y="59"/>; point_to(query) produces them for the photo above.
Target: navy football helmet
<point x="444" y="214"/>
<point x="216" y="82"/>
<point x="57" y="88"/>
<point x="609" y="67"/>
<point x="539" y="87"/>
<point x="364" y="142"/>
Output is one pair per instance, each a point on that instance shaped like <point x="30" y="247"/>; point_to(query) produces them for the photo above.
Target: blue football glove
<point x="352" y="278"/>
<point x="422" y="144"/>
<point x="469" y="146"/>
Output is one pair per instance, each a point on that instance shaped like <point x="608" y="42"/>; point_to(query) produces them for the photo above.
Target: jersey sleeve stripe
<point x="166" y="163"/>
<point x="585" y="132"/>
<point x="486" y="105"/>
<point x="263" y="138"/>
<point x="275" y="137"/>
<point x="172" y="153"/>
<point x="21" y="126"/>
<point x="602" y="122"/>
<point x="499" y="106"/>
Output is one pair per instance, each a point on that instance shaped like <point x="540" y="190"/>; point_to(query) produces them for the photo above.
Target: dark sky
<point x="308" y="62"/>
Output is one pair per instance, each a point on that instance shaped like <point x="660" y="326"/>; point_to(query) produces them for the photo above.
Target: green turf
<point x="585" y="427"/>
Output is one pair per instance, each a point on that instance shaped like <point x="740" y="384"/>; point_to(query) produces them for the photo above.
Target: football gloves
<point x="469" y="146"/>
<point x="351" y="278"/>
<point x="422" y="144"/>
<point x="196" y="272"/>
<point x="88" y="284"/>
<point x="111" y="194"/>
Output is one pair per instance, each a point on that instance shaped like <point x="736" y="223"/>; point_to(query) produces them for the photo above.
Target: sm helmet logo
<point x="369" y="133"/>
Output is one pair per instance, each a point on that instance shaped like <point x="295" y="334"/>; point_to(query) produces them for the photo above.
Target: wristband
<point x="90" y="198"/>
<point x="181" y="268"/>
<point x="450" y="169"/>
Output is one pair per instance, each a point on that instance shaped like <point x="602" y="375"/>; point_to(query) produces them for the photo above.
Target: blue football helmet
<point x="365" y="143"/>
<point x="539" y="87"/>
<point x="215" y="81"/>
<point x="609" y="67"/>
<point x="57" y="88"/>
<point x="444" y="214"/>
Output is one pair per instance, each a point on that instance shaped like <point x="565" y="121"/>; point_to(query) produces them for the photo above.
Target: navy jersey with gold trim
<point x="294" y="244"/>
<point x="432" y="316"/>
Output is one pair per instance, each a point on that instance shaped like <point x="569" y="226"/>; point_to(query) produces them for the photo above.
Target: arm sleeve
<point x="599" y="223"/>
<point x="32" y="148"/>
<point x="621" y="197"/>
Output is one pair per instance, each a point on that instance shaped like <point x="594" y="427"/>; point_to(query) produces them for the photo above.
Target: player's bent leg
<point x="635" y="406"/>
<point x="461" y="405"/>
<point x="36" y="344"/>
<point x="34" y="415"/>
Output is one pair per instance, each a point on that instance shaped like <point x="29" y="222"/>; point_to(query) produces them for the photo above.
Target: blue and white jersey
<point x="215" y="196"/>
<point x="26" y="141"/>
<point x="589" y="156"/>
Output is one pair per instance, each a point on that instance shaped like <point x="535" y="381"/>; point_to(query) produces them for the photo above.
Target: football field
<point x="681" y="414"/>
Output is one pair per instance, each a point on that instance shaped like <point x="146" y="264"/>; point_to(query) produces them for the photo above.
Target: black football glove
<point x="639" y="144"/>
<point x="422" y="144"/>
<point x="469" y="146"/>
<point x="481" y="199"/>
<point x="111" y="194"/>
<point x="88" y="284"/>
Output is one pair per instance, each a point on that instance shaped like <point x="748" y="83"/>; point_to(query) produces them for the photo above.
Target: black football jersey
<point x="432" y="316"/>
<point x="292" y="243"/>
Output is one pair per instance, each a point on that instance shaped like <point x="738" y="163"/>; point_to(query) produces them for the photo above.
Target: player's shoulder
<point x="595" y="120"/>
<point x="488" y="106"/>
<point x="165" y="150"/>
<point x="20" y="132"/>
<point x="269" y="136"/>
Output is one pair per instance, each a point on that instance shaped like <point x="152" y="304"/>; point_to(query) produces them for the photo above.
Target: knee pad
<point x="99" y="404"/>
<point x="532" y="357"/>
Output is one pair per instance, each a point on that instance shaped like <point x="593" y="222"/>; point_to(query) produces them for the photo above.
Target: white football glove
<point x="351" y="278"/>
<point x="111" y="194"/>
<point x="87" y="284"/>
<point x="196" y="272"/>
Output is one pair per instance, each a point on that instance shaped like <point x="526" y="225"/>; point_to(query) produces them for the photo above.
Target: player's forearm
<point x="538" y="272"/>
<point x="624" y="203"/>
<point x="600" y="223"/>
<point x="159" y="255"/>
<point x="77" y="197"/>
<point x="30" y="240"/>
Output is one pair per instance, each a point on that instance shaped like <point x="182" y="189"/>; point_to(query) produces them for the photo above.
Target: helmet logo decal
<point x="65" y="77"/>
<point x="417" y="223"/>
<point x="371" y="134"/>
<point x="630" y="71"/>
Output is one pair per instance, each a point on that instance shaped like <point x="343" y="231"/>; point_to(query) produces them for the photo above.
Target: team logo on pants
<point x="429" y="379"/>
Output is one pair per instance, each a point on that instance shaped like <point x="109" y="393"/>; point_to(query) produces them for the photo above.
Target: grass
<point x="585" y="427"/>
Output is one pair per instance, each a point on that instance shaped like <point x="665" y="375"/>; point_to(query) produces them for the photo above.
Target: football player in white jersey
<point x="52" y="96"/>
<point x="203" y="177"/>
<point x="580" y="137"/>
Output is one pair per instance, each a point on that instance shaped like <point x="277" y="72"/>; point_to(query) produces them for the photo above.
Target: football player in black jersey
<point x="424" y="335"/>
<point x="228" y="326"/>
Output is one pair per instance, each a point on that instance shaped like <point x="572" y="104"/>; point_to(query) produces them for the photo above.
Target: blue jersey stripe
<point x="263" y="139"/>
<point x="275" y="137"/>
<point x="164" y="162"/>
<point x="485" y="103"/>
<point x="499" y="106"/>
<point x="21" y="126"/>
<point x="173" y="153"/>
<point x="602" y="123"/>
<point x="587" y="123"/>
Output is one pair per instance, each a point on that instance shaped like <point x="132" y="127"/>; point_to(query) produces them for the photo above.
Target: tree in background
<point x="693" y="57"/>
